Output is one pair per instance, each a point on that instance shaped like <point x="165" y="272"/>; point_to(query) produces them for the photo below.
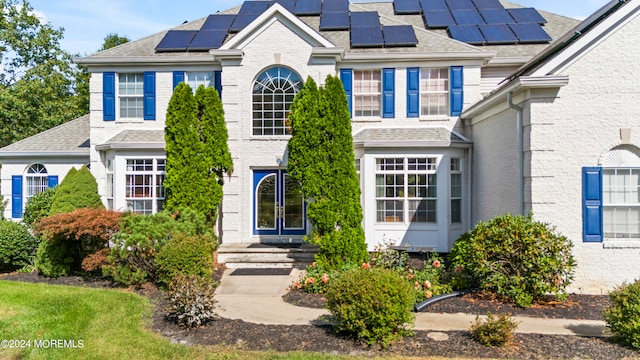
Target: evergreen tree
<point x="321" y="159"/>
<point x="78" y="190"/>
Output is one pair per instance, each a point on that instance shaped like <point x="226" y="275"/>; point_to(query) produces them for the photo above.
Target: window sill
<point x="621" y="244"/>
<point x="366" y="119"/>
<point x="269" y="137"/>
<point x="435" y="118"/>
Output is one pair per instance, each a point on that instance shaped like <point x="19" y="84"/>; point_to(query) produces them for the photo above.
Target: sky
<point x="87" y="22"/>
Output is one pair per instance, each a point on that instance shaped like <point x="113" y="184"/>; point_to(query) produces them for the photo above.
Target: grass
<point x="110" y="323"/>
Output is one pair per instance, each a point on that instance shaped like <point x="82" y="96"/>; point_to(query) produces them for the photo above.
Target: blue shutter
<point x="388" y="93"/>
<point x="413" y="92"/>
<point x="149" y="95"/>
<point x="457" y="96"/>
<point x="346" y="76"/>
<point x="108" y="96"/>
<point x="178" y="77"/>
<point x="217" y="82"/>
<point x="16" y="196"/>
<point x="52" y="180"/>
<point x="593" y="228"/>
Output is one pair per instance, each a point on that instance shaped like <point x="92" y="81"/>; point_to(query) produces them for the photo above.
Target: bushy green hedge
<point x="516" y="257"/>
<point x="57" y="258"/>
<point x="374" y="305"/>
<point x="623" y="316"/>
<point x="77" y="190"/>
<point x="17" y="246"/>
<point x="186" y="255"/>
<point x="38" y="206"/>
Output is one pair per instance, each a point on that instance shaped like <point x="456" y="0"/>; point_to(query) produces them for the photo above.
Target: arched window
<point x="37" y="180"/>
<point x="273" y="93"/>
<point x="621" y="193"/>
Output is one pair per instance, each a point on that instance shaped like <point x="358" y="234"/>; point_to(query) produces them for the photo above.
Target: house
<point x="432" y="87"/>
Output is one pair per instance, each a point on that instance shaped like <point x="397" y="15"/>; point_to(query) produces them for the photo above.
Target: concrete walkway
<point x="258" y="299"/>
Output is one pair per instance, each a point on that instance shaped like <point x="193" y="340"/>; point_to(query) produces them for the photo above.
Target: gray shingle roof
<point x="407" y="137"/>
<point x="70" y="138"/>
<point x="429" y="40"/>
<point x="135" y="139"/>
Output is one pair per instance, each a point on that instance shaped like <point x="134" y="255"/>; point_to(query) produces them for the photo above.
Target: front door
<point x="278" y="205"/>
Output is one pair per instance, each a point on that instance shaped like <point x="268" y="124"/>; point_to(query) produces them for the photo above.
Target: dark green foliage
<point x="186" y="255"/>
<point x="191" y="300"/>
<point x="197" y="151"/>
<point x="17" y="245"/>
<point x="38" y="206"/>
<point x="321" y="160"/>
<point x="77" y="190"/>
<point x="494" y="331"/>
<point x="132" y="258"/>
<point x="56" y="258"/>
<point x="113" y="40"/>
<point x="623" y="316"/>
<point x="3" y="206"/>
<point x="516" y="257"/>
<point x="373" y="305"/>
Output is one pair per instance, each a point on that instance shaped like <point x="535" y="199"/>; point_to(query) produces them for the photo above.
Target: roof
<point x="429" y="40"/>
<point x="135" y="139"/>
<point x="408" y="137"/>
<point x="70" y="138"/>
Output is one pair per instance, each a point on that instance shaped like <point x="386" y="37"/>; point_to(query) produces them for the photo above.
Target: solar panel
<point x="399" y="35"/>
<point x="241" y="21"/>
<point x="176" y="40"/>
<point x="366" y="37"/>
<point x="430" y="5"/>
<point x="526" y="15"/>
<point x="364" y="19"/>
<point x="254" y="7"/>
<point x="334" y="21"/>
<point x="466" y="33"/>
<point x="437" y="19"/>
<point x="308" y="7"/>
<point x="496" y="16"/>
<point x="335" y="5"/>
<point x="207" y="40"/>
<point x="530" y="33"/>
<point x="290" y="5"/>
<point x="461" y="5"/>
<point x="498" y="34"/>
<point x="488" y="4"/>
<point x="218" y="22"/>
<point x="467" y="17"/>
<point x="406" y="7"/>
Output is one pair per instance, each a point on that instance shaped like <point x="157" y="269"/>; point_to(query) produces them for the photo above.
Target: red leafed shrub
<point x="67" y="238"/>
<point x="94" y="262"/>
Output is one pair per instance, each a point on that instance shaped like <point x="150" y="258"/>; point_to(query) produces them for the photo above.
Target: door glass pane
<point x="266" y="203"/>
<point x="293" y="204"/>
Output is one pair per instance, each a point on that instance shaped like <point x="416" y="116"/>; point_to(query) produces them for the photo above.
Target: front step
<point x="266" y="255"/>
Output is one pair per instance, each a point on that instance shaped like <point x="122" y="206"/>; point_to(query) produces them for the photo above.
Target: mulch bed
<point x="321" y="338"/>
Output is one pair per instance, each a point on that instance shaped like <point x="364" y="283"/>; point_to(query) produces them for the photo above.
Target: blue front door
<point x="278" y="205"/>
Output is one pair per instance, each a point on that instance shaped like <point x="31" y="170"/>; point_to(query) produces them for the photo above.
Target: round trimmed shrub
<point x="38" y="206"/>
<point x="17" y="246"/>
<point x="515" y="257"/>
<point x="373" y="305"/>
<point x="623" y="316"/>
<point x="185" y="255"/>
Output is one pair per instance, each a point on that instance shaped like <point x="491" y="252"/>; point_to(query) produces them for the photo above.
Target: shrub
<point x="623" y="316"/>
<point x="94" y="262"/>
<point x="17" y="246"/>
<point x="186" y="255"/>
<point x="38" y="206"/>
<point x="493" y="331"/>
<point x="519" y="259"/>
<point x="77" y="190"/>
<point x="373" y="305"/>
<point x="428" y="281"/>
<point x="191" y="300"/>
<point x="316" y="278"/>
<point x="3" y="206"/>
<point x="67" y="238"/>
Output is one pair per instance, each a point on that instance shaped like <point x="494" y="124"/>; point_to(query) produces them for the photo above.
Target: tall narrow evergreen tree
<point x="77" y="190"/>
<point x="321" y="159"/>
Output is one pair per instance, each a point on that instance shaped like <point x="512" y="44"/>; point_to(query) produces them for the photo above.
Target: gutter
<point x="520" y="157"/>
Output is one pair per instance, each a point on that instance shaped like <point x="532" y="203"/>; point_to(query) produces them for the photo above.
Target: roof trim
<point x="475" y="55"/>
<point x="144" y="60"/>
<point x="130" y="146"/>
<point x="465" y="143"/>
<point x="26" y="154"/>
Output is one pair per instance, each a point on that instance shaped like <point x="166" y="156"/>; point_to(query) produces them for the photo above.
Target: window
<point x="195" y="79"/>
<point x="273" y="93"/>
<point x="37" y="180"/>
<point x="144" y="190"/>
<point x="621" y="202"/>
<point x="434" y="91"/>
<point x="367" y="93"/>
<point x="406" y="190"/>
<point x="131" y="95"/>
<point x="109" y="184"/>
<point x="456" y="191"/>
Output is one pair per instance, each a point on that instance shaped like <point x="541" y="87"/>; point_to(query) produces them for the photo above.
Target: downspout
<point x="520" y="156"/>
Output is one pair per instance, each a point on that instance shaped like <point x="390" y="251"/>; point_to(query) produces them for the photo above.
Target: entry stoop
<point x="243" y="255"/>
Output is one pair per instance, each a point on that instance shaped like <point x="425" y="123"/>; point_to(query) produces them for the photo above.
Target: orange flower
<point x="310" y="280"/>
<point x="365" y="265"/>
<point x="298" y="285"/>
<point x="436" y="264"/>
<point x="410" y="276"/>
<point x="325" y="278"/>
<point x="428" y="294"/>
<point x="427" y="284"/>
